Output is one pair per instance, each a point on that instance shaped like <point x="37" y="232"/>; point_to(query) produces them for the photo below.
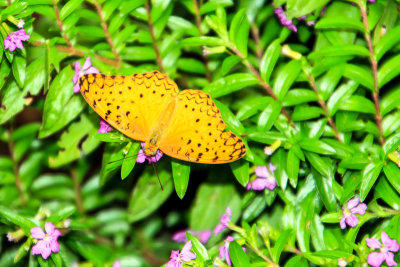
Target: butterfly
<point x="149" y="107"/>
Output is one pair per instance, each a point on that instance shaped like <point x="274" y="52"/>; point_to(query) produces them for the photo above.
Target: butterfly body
<point x="148" y="107"/>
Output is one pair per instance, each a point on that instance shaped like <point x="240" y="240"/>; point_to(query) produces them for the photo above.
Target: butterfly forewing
<point x="131" y="104"/>
<point x="196" y="132"/>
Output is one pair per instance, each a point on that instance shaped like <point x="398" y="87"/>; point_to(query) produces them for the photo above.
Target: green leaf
<point x="238" y="257"/>
<point x="229" y="84"/>
<point x="130" y="160"/>
<point x="325" y="190"/>
<point x="391" y="143"/>
<point x="286" y="77"/>
<point x="239" y="32"/>
<point x="138" y="53"/>
<point x="280" y="244"/>
<point x="370" y="174"/>
<point x="357" y="103"/>
<point x="292" y="167"/>
<point x="388" y="70"/>
<point x="191" y="65"/>
<point x="340" y="51"/>
<point x="18" y="68"/>
<point x="70" y="142"/>
<point x="316" y="146"/>
<point x="269" y="60"/>
<point x="180" y="174"/>
<point x="17" y="219"/>
<point x="392" y="173"/>
<point x="391" y="38"/>
<point x="296" y="261"/>
<point x="203" y="40"/>
<point x="198" y="247"/>
<point x="229" y="63"/>
<point x="300" y="8"/>
<point x="68" y="8"/>
<point x="306" y="112"/>
<point x="319" y="164"/>
<point x="360" y="75"/>
<point x="240" y="169"/>
<point x="147" y="195"/>
<point x="299" y="96"/>
<point x="268" y="116"/>
<point x="207" y="214"/>
<point x="61" y="105"/>
<point x="340" y="23"/>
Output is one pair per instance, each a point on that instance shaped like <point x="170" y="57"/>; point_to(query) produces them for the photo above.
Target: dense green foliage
<point x="324" y="101"/>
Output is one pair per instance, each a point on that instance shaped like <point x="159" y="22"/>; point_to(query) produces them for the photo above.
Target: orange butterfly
<point x="148" y="107"/>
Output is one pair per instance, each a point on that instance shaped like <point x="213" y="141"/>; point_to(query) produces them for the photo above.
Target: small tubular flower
<point x="141" y="157"/>
<point x="47" y="242"/>
<point x="225" y="219"/>
<point x="224" y="250"/>
<point x="180" y="236"/>
<point x="265" y="179"/>
<point x="86" y="68"/>
<point x="104" y="127"/>
<point x="385" y="250"/>
<point x="185" y="255"/>
<point x="353" y="207"/>
<point x="14" y="40"/>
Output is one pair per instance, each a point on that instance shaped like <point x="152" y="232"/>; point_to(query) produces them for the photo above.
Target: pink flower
<point x="86" y="68"/>
<point x="14" y="40"/>
<point x="353" y="207"/>
<point x="104" y="127"/>
<point x="283" y="19"/>
<point x="47" y="242"/>
<point x="116" y="264"/>
<point x="180" y="236"/>
<point x="141" y="157"/>
<point x="177" y="258"/>
<point x="224" y="250"/>
<point x="376" y="258"/>
<point x="225" y="219"/>
<point x="265" y="179"/>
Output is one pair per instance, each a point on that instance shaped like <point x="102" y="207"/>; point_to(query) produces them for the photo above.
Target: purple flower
<point x="265" y="179"/>
<point x="47" y="242"/>
<point x="225" y="219"/>
<point x="372" y="1"/>
<point x="180" y="236"/>
<point x="353" y="207"/>
<point x="14" y="40"/>
<point x="224" y="250"/>
<point x="177" y="258"/>
<point x="86" y="68"/>
<point x="376" y="258"/>
<point x="141" y="157"/>
<point x="104" y="127"/>
<point x="283" y="19"/>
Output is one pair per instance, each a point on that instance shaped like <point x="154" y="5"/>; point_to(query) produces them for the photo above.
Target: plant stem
<point x="77" y="190"/>
<point x="60" y="24"/>
<point x="198" y="23"/>
<point x="76" y="52"/>
<point x="107" y="33"/>
<point x="256" y="35"/>
<point x="153" y="37"/>
<point x="322" y="103"/>
<point x="263" y="84"/>
<point x="18" y="181"/>
<point x="374" y="67"/>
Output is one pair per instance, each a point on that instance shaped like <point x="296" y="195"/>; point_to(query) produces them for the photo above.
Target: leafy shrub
<point x="311" y="87"/>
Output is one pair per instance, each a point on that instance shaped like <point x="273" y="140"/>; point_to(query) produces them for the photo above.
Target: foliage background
<point x="336" y="82"/>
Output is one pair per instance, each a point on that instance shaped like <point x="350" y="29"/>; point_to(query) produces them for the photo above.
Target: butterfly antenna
<point x="159" y="181"/>
<point x="121" y="159"/>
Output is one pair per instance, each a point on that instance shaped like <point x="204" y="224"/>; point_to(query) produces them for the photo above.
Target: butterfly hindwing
<point x="196" y="132"/>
